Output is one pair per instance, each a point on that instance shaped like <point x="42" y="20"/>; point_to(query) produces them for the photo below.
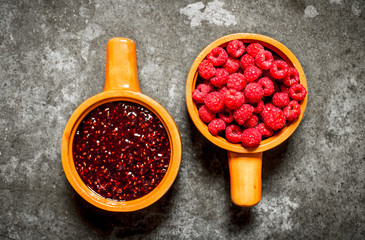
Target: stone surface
<point x="53" y="58"/>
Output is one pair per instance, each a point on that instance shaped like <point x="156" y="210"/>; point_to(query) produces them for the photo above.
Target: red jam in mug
<point x="121" y="150"/>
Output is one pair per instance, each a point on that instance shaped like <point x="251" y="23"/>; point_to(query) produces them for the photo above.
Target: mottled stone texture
<point x="53" y="58"/>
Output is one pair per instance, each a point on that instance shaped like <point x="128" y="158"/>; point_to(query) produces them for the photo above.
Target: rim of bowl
<point x="191" y="80"/>
<point x="87" y="193"/>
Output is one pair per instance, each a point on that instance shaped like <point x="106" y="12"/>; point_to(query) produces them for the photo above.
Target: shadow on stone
<point x="124" y="224"/>
<point x="215" y="162"/>
<point x="240" y="216"/>
<point x="272" y="159"/>
<point x="207" y="153"/>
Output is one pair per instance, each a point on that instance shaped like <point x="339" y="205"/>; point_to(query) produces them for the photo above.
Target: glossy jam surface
<point x="121" y="150"/>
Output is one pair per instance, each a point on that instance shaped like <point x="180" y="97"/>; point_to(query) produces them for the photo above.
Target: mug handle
<point x="245" y="171"/>
<point x="121" y="65"/>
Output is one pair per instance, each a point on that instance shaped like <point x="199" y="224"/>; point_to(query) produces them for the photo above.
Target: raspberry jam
<point x="121" y="150"/>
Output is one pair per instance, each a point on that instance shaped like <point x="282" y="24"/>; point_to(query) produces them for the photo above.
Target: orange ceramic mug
<point x="121" y="84"/>
<point x="245" y="165"/>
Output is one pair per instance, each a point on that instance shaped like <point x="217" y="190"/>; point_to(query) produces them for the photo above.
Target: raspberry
<point x="251" y="138"/>
<point x="201" y="92"/>
<point x="236" y="81"/>
<point x="206" y="115"/>
<point x="252" y="73"/>
<point x="259" y="106"/>
<point x="214" y="101"/>
<point x="292" y="77"/>
<point x="233" y="133"/>
<point x="207" y="82"/>
<point x="267" y="85"/>
<point x="211" y="87"/>
<point x="279" y="69"/>
<point x="275" y="118"/>
<point x="221" y="77"/>
<point x="222" y="90"/>
<point x="264" y="60"/>
<point x="233" y="99"/>
<point x="251" y="122"/>
<point x="232" y="65"/>
<point x="218" y="56"/>
<point x="226" y="116"/>
<point x="254" y="48"/>
<point x="243" y="113"/>
<point x="297" y="92"/>
<point x="253" y="92"/>
<point x="264" y="130"/>
<point x="284" y="88"/>
<point x="267" y="108"/>
<point x="216" y="126"/>
<point x="292" y="111"/>
<point x="206" y="69"/>
<point x="246" y="61"/>
<point x="280" y="99"/>
<point x="236" y="48"/>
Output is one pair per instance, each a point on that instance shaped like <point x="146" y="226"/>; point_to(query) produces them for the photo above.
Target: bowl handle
<point x="245" y="171"/>
<point x="121" y="65"/>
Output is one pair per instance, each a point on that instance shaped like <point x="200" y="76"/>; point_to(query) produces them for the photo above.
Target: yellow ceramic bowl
<point x="245" y="164"/>
<point x="121" y="84"/>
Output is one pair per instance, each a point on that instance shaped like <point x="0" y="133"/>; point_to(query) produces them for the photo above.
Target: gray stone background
<point x="53" y="58"/>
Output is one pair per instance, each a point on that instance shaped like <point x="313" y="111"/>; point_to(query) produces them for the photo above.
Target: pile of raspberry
<point x="247" y="93"/>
